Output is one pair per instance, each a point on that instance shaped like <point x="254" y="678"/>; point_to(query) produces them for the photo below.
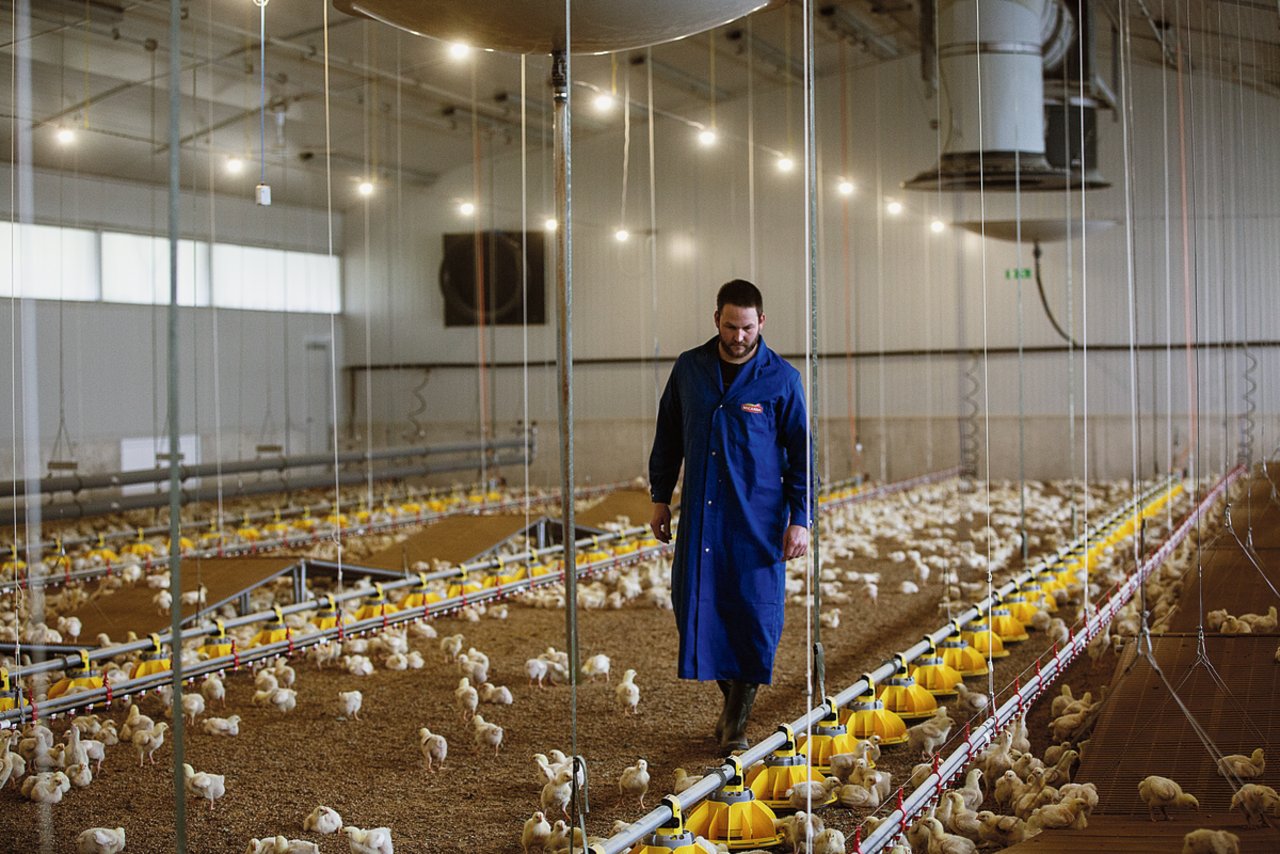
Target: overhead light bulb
<point x="365" y="188"/>
<point x="622" y="235"/>
<point x="707" y="137"/>
<point x="786" y="164"/>
<point x="603" y="102"/>
<point x="235" y="165"/>
<point x="459" y="50"/>
<point x="467" y="208"/>
<point x="550" y="224"/>
<point x="894" y="207"/>
<point x="937" y="226"/>
<point x="66" y="136"/>
<point x="845" y="187"/>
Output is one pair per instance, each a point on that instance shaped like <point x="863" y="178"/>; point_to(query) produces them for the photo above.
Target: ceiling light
<point x="66" y="136"/>
<point x="459" y="50"/>
<point x="707" y="137"/>
<point x="550" y="223"/>
<point x="893" y="206"/>
<point x="622" y="235"/>
<point x="467" y="208"/>
<point x="937" y="226"/>
<point x="235" y="165"/>
<point x="365" y="188"/>
<point x="786" y="164"/>
<point x="603" y="102"/>
<point x="845" y="187"/>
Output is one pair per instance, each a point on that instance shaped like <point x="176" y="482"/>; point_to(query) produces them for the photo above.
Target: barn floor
<point x="284" y="765"/>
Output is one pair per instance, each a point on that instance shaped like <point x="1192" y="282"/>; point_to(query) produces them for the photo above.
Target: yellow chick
<point x="1161" y="793"/>
<point x="1204" y="841"/>
<point x="1244" y="767"/>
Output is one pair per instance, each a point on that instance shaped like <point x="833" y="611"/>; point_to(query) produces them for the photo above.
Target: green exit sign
<point x="1018" y="273"/>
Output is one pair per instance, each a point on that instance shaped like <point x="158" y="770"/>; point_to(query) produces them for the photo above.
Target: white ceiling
<point x="403" y="110"/>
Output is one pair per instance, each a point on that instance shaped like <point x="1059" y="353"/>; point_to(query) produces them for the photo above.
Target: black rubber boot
<point x="725" y="685"/>
<point x="742" y="695"/>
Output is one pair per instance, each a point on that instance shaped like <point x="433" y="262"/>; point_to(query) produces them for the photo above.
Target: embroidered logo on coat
<point x="752" y="407"/>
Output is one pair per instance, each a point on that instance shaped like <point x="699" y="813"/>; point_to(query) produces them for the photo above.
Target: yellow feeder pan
<point x="537" y="570"/>
<point x="1008" y="627"/>
<point x="273" y="632"/>
<point x="985" y="641"/>
<point x="625" y="548"/>
<point x="435" y="505"/>
<point x="1020" y="608"/>
<point x="671" y="837"/>
<point x="217" y="644"/>
<point x="957" y="654"/>
<point x="9" y="696"/>
<point x="733" y="817"/>
<point x="901" y="694"/>
<point x="277" y="527"/>
<point x="152" y="662"/>
<point x="304" y="522"/>
<point x="936" y="676"/>
<point x="419" y="597"/>
<point x="464" y="588"/>
<point x="336" y="520"/>
<point x="375" y="605"/>
<point x="140" y="547"/>
<point x="829" y="737"/>
<point x="770" y="779"/>
<point x="1036" y="596"/>
<point x="410" y="508"/>
<point x="867" y="716"/>
<point x="327" y="616"/>
<point x="79" y="677"/>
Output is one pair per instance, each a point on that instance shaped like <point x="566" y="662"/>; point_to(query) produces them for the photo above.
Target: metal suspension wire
<point x="333" y="316"/>
<point x="846" y="261"/>
<point x="751" y="148"/>
<point x="524" y="275"/>
<point x="1084" y="311"/>
<point x="883" y="439"/>
<point x="1126" y="131"/>
<point x="655" y="349"/>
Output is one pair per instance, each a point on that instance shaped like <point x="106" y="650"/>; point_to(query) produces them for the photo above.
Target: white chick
<point x="941" y="842"/>
<point x="192" y="706"/>
<point x="499" y="695"/>
<point x="284" y="699"/>
<point x="857" y="797"/>
<point x="466" y="698"/>
<point x="434" y="748"/>
<point x="486" y="734"/>
<point x="451" y="646"/>
<point x="1205" y="841"/>
<point x="376" y="840"/>
<point x="202" y="785"/>
<point x="683" y="780"/>
<point x="80" y="775"/>
<point x="597" y="665"/>
<point x="909" y="587"/>
<point x="280" y="845"/>
<point x="284" y="673"/>
<point x="323" y="820"/>
<point x="635" y="780"/>
<point x="830" y="619"/>
<point x="415" y="660"/>
<point x="557" y="793"/>
<point x="1257" y="802"/>
<point x="537" y="669"/>
<point x="265" y="681"/>
<point x="100" y="840"/>
<point x="222" y="726"/>
<point x="536" y="832"/>
<point x="968" y="701"/>
<point x="148" y="741"/>
<point x="628" y="693"/>
<point x="350" y="702"/>
<point x="829" y="841"/>
<point x="213" y="690"/>
<point x="46" y="787"/>
<point x="1161" y="793"/>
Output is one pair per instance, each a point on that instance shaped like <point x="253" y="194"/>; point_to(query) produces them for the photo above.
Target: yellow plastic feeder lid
<point x="829" y="737"/>
<point x="732" y="816"/>
<point x="985" y="641"/>
<point x="1008" y="627"/>
<point x="671" y="837"/>
<point x="867" y="716"/>
<point x="901" y="694"/>
<point x="936" y="676"/>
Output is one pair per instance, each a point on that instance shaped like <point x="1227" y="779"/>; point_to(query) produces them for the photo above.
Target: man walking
<point x="734" y="413"/>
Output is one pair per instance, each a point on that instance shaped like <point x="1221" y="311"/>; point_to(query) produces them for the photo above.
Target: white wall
<point x="104" y="365"/>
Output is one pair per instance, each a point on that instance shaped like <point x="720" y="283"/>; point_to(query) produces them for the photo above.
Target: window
<point x="47" y="262"/>
<point x="135" y="268"/>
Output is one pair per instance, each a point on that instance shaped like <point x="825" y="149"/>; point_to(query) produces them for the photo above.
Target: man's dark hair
<point x="741" y="293"/>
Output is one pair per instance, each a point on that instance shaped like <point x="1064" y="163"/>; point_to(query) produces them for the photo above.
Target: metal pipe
<point x="77" y="483"/>
<point x="77" y="509"/>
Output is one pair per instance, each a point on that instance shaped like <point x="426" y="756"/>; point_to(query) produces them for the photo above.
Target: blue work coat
<point x="744" y="452"/>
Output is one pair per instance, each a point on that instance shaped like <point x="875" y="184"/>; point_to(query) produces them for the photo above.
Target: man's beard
<point x="747" y="351"/>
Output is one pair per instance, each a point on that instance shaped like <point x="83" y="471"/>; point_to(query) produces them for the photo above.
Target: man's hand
<point x="660" y="524"/>
<point x="795" y="542"/>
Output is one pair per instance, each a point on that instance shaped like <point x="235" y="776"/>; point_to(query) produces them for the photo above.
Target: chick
<point x="323" y="820"/>
<point x="47" y="787"/>
<point x="557" y="793"/>
<point x="466" y="699"/>
<point x="202" y="785"/>
<point x="628" y="693"/>
<point x="537" y="669"/>
<point x="280" y="845"/>
<point x="829" y="841"/>
<point x="350" y="703"/>
<point x="1206" y="841"/>
<point x="100" y="840"/>
<point x="213" y="690"/>
<point x="1244" y="767"/>
<point x="597" y="665"/>
<point x="376" y="840"/>
<point x="807" y="792"/>
<point x="941" y="842"/>
<point x="486" y="734"/>
<point x="1001" y="830"/>
<point x="1257" y="802"/>
<point x="857" y="797"/>
<point x="434" y="748"/>
<point x="959" y="818"/>
<point x="536" y="832"/>
<point x="798" y="827"/>
<point x="635" y="780"/>
<point x="683" y="780"/>
<point x="222" y="726"/>
<point x="968" y="701"/>
<point x="1072" y="813"/>
<point x="192" y="706"/>
<point x="1160" y="793"/>
<point x="148" y="741"/>
<point x="499" y="695"/>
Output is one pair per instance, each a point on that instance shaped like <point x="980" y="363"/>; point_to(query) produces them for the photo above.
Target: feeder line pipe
<point x="107" y="480"/>
<point x="401" y="616"/>
<point x="76" y="509"/>
<point x="915" y="802"/>
<point x="717" y="777"/>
